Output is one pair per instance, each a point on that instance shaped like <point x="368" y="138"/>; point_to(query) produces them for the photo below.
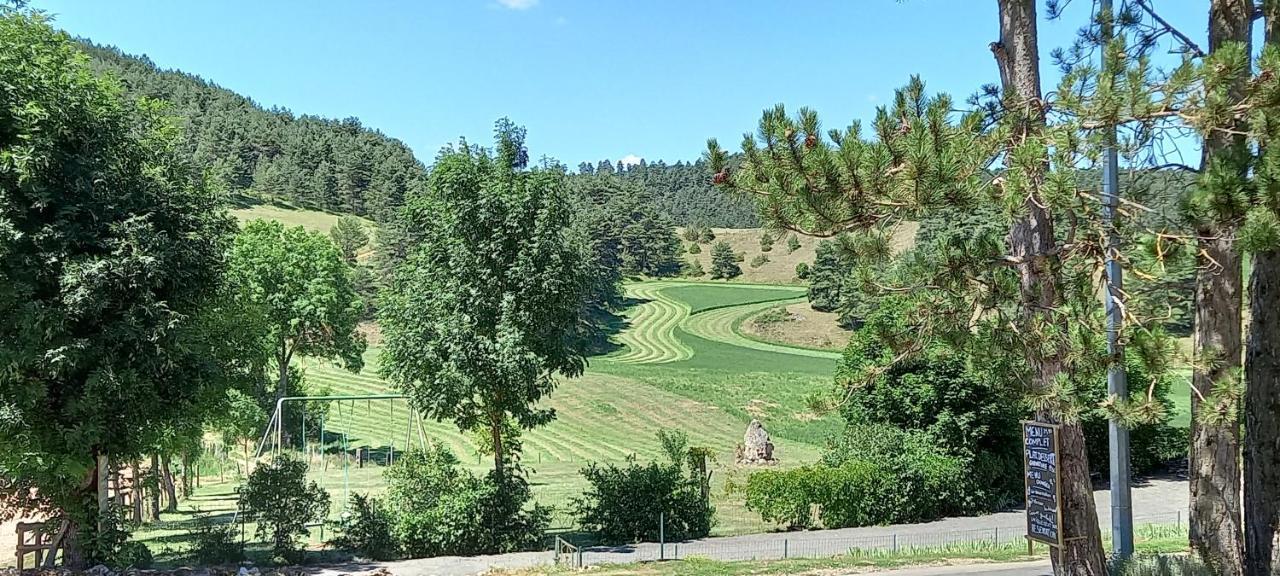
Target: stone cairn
<point x="756" y="448"/>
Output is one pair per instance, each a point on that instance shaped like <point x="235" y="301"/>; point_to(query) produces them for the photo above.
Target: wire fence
<point x="869" y="542"/>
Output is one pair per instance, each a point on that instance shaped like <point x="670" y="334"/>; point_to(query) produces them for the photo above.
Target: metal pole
<point x="662" y="535"/>
<point x="1118" y="444"/>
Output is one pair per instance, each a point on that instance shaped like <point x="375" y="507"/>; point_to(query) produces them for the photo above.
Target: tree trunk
<point x="495" y="428"/>
<point x="1032" y="239"/>
<point x="1214" y="470"/>
<point x="283" y="358"/>
<point x="154" y="488"/>
<point x="170" y="489"/>
<point x="135" y="489"/>
<point x="1262" y="410"/>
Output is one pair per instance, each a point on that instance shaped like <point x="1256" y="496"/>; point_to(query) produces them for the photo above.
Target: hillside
<point x="781" y="267"/>
<point x="313" y="162"/>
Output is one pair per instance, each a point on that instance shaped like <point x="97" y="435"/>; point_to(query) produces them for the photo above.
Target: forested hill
<point x="312" y="162"/>
<point x="342" y="166"/>
<point x="683" y="191"/>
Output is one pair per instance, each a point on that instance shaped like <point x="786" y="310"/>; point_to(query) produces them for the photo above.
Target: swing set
<point x="273" y="438"/>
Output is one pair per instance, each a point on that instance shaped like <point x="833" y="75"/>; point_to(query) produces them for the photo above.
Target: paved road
<point x="1155" y="502"/>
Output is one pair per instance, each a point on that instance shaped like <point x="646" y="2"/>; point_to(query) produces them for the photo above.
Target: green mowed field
<point x="681" y="368"/>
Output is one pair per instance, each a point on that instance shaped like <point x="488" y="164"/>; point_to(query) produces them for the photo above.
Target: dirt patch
<point x="797" y="325"/>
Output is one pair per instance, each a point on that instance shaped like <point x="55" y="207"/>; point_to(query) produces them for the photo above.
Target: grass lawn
<point x="289" y="216"/>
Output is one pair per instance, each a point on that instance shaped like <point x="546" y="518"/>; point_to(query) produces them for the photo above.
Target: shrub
<point x="707" y="236"/>
<point x="134" y="555"/>
<point x="766" y="242"/>
<point x="695" y="248"/>
<point x="691" y="234"/>
<point x="278" y="497"/>
<point x="802" y="271"/>
<point x="793" y="243"/>
<point x="440" y="509"/>
<point x="740" y="257"/>
<point x="367" y="530"/>
<point x="694" y="269"/>
<point x="925" y="481"/>
<point x="775" y="315"/>
<point x="759" y="261"/>
<point x="214" y="544"/>
<point x="625" y="503"/>
<point x="855" y="493"/>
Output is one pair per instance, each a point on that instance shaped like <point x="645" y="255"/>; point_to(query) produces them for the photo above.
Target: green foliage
<point x="759" y="260"/>
<point x="486" y="310"/>
<point x="723" y="261"/>
<point x="682" y="191"/>
<point x="278" y="497"/>
<point x="793" y="243"/>
<point x="693" y="269"/>
<point x="695" y="248"/>
<point x="438" y="508"/>
<point x="707" y="235"/>
<point x="625" y="503"/>
<point x="349" y="235"/>
<point x="215" y="544"/>
<point x="274" y="155"/>
<point x="367" y="530"/>
<point x="803" y="272"/>
<point x="766" y="242"/>
<point x="852" y="494"/>
<point x="627" y="220"/>
<point x="928" y="482"/>
<point x="299" y="284"/>
<point x="826" y="277"/>
<point x="776" y="315"/>
<point x="111" y="259"/>
<point x="1164" y="565"/>
<point x="134" y="555"/>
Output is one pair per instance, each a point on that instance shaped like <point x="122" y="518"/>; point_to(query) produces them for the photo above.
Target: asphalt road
<point x="1155" y="502"/>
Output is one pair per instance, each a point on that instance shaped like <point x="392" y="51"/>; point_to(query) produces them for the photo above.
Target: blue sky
<point x="590" y="79"/>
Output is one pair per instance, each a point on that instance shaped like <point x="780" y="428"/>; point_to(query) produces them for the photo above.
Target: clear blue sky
<point x="590" y="79"/>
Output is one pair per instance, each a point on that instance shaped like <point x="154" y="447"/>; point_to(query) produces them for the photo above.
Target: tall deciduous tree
<point x="108" y="247"/>
<point x="484" y="314"/>
<point x="297" y="280"/>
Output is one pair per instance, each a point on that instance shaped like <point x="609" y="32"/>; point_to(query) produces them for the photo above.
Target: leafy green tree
<point x="349" y="236"/>
<point x="100" y="293"/>
<point x="802" y="271"/>
<point x="724" y="263"/>
<point x="297" y="280"/>
<point x="279" y="498"/>
<point x="483" y="315"/>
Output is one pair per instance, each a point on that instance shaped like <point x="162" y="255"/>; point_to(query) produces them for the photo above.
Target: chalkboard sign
<point x="1044" y="496"/>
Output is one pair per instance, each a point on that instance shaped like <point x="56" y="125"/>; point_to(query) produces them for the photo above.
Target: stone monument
<point x="756" y="448"/>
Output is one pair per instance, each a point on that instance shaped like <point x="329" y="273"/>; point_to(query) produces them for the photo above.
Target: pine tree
<point x="724" y="264"/>
<point x="826" y="277"/>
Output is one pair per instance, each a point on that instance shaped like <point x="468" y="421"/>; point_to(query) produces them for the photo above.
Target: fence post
<point x="662" y="536"/>
<point x="997" y="529"/>
<point x="895" y="542"/>
<point x="784" y="548"/>
<point x="1179" y="519"/>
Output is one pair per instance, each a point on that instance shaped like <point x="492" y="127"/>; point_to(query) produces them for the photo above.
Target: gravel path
<point x="1155" y="502"/>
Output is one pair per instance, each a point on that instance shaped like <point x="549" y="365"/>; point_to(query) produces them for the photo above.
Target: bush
<point x="134" y="555"/>
<point x="1153" y="445"/>
<point x="802" y="271"/>
<point x="775" y="315"/>
<point x="215" y="544"/>
<point x="766" y="242"/>
<point x="926" y="482"/>
<point x="759" y="261"/>
<point x="367" y="530"/>
<point x="740" y="257"/>
<point x="694" y="269"/>
<point x="695" y="248"/>
<point x="707" y="236"/>
<point x="793" y="243"/>
<point x="625" y="504"/>
<point x="440" y="509"/>
<point x="278" y="497"/>
<point x="852" y="494"/>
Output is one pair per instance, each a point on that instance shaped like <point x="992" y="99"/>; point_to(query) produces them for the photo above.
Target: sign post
<point x="1044" y="491"/>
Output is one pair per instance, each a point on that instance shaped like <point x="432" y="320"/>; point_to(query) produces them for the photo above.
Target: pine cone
<point x="720" y="177"/>
<point x="810" y="141"/>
